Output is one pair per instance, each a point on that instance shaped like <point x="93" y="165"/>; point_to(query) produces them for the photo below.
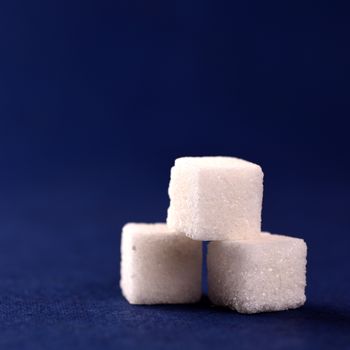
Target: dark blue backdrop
<point x="97" y="99"/>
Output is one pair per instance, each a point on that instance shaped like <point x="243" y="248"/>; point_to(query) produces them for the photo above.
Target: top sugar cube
<point x="215" y="198"/>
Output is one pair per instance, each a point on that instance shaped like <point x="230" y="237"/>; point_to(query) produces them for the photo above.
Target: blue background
<point x="97" y="99"/>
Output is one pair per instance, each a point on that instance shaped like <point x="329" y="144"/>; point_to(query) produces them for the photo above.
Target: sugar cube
<point x="159" y="266"/>
<point x="215" y="198"/>
<point x="264" y="274"/>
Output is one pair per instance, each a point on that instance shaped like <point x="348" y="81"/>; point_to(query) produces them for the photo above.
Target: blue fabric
<point x="59" y="264"/>
<point x="97" y="99"/>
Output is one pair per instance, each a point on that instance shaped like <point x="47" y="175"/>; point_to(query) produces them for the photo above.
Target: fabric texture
<point x="59" y="268"/>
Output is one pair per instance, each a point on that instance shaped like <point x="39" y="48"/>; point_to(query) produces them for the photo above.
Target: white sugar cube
<point x="215" y="198"/>
<point x="264" y="274"/>
<point x="159" y="266"/>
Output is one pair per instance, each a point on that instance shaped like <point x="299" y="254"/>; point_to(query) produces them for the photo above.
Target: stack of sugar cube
<point x="216" y="199"/>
